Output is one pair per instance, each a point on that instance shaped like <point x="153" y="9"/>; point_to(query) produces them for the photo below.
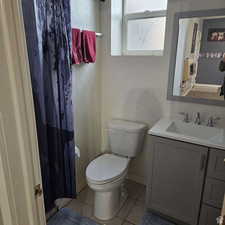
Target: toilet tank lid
<point x="128" y="126"/>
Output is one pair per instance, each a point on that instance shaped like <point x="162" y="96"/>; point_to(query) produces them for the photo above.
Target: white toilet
<point x="106" y="174"/>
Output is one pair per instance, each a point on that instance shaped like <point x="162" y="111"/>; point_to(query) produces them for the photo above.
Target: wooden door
<point x="19" y="158"/>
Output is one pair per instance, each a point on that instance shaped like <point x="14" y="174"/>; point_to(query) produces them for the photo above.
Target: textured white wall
<point x="135" y="88"/>
<point x="86" y="90"/>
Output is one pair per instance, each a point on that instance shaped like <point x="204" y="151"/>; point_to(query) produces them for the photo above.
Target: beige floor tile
<point x="127" y="223"/>
<point x="114" y="221"/>
<point x="86" y="196"/>
<point x="142" y="194"/>
<point x="134" y="189"/>
<point x="131" y="213"/>
<point x="62" y="202"/>
<point x="51" y="213"/>
<point x="141" y="201"/>
<point x="76" y="205"/>
<point x="128" y="205"/>
<point x="81" y="208"/>
<point x="136" y="213"/>
<point x="87" y="211"/>
<point x="141" y="204"/>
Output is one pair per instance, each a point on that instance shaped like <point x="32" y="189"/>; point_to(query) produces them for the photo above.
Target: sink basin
<point x="193" y="130"/>
<point x="190" y="132"/>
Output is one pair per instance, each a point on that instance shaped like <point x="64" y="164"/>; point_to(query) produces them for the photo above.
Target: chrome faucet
<point x="186" y="117"/>
<point x="212" y="121"/>
<point x="198" y="119"/>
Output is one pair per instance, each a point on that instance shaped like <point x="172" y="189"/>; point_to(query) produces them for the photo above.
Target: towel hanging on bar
<point x="89" y="46"/>
<point x="77" y="55"/>
<point x="97" y="33"/>
<point x="84" y="46"/>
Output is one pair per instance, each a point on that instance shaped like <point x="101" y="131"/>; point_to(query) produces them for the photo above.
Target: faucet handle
<point x="198" y="118"/>
<point x="212" y="121"/>
<point x="186" y="116"/>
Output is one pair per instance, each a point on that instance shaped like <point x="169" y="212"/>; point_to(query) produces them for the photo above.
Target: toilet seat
<point x="106" y="168"/>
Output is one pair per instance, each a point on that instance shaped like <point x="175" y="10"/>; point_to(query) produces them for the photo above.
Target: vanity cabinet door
<point x="214" y="192"/>
<point x="176" y="179"/>
<point x="209" y="215"/>
<point x="216" y="168"/>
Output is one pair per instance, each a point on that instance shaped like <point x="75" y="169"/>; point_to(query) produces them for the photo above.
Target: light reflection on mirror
<point x="200" y="58"/>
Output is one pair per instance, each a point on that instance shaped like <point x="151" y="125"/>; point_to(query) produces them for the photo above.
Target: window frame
<point x="137" y="16"/>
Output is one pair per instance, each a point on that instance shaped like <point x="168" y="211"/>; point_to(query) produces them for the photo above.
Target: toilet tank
<point x="125" y="137"/>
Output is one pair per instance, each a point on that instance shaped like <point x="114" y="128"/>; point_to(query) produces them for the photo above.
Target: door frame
<point x="13" y="43"/>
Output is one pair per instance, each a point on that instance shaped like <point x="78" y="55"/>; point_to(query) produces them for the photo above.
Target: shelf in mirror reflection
<point x="204" y="91"/>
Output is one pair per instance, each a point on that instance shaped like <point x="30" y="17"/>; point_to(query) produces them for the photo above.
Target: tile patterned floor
<point x="130" y="214"/>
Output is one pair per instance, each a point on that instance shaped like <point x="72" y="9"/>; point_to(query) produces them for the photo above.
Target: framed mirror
<point x="197" y="63"/>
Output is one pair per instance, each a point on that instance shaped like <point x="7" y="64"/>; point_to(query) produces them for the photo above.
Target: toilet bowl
<point x="106" y="174"/>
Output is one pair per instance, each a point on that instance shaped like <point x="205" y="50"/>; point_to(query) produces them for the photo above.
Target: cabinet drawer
<point x="209" y="215"/>
<point x="216" y="166"/>
<point x="214" y="192"/>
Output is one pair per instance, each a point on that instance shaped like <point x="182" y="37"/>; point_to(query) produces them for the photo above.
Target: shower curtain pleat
<point x="48" y="34"/>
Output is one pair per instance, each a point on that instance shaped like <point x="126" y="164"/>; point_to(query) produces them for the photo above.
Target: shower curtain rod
<point x="98" y="34"/>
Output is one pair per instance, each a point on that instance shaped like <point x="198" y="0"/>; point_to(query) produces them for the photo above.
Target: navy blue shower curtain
<point x="48" y="34"/>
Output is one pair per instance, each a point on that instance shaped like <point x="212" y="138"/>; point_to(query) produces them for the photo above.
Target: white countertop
<point x="161" y="129"/>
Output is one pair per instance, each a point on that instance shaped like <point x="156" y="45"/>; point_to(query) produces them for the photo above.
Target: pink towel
<point x="89" y="46"/>
<point x="77" y="56"/>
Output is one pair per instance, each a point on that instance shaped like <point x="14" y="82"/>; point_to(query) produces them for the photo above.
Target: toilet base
<point x="107" y="204"/>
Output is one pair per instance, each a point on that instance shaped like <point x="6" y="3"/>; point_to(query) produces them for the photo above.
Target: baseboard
<point x="80" y="184"/>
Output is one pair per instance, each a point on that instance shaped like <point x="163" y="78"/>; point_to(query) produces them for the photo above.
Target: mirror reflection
<point x="200" y="58"/>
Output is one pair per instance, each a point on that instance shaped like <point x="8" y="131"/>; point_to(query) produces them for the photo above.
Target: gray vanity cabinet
<point x="216" y="168"/>
<point x="214" y="189"/>
<point x="214" y="192"/>
<point x="176" y="177"/>
<point x="209" y="215"/>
